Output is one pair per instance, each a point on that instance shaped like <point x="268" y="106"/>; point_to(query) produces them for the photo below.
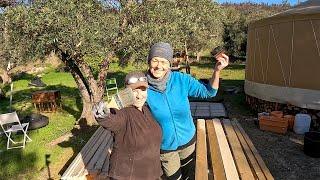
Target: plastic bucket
<point x="312" y="144"/>
<point x="301" y="123"/>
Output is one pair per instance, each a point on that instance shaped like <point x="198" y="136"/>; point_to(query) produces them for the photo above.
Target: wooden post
<point x="187" y="58"/>
<point x="201" y="151"/>
<point x="238" y="154"/>
<point x="216" y="159"/>
<point x="227" y="159"/>
<point x="11" y="89"/>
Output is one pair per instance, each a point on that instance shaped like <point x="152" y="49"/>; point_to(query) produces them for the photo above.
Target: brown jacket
<point x="136" y="150"/>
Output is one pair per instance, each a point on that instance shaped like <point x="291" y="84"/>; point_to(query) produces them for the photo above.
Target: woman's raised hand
<point x="222" y="62"/>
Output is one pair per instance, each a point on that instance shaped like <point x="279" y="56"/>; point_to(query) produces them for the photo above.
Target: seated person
<point x="137" y="136"/>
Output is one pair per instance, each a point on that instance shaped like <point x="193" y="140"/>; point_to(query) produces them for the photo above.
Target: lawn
<point x="56" y="144"/>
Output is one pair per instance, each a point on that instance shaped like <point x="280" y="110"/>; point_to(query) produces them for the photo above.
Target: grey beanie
<point x="161" y="49"/>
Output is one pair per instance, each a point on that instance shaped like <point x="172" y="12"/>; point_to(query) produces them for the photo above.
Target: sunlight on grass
<point x="31" y="160"/>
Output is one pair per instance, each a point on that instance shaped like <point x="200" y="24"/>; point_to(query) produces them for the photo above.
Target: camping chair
<point x="111" y="85"/>
<point x="10" y="123"/>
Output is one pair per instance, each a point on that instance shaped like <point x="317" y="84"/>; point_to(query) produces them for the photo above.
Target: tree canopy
<point x="124" y="29"/>
<point x="176" y="22"/>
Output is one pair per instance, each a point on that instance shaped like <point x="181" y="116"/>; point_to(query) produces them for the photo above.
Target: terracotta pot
<point x="277" y="114"/>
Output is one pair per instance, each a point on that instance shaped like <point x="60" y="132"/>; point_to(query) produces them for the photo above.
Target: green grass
<point x="31" y="160"/>
<point x="39" y="156"/>
<point x="29" y="163"/>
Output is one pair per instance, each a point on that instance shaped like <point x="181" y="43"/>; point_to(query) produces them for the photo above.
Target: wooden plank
<point x="78" y="158"/>
<point x="252" y="160"/>
<point x="94" y="148"/>
<point x="238" y="154"/>
<point x="255" y="152"/>
<point x="105" y="168"/>
<point x="201" y="151"/>
<point x="227" y="159"/>
<point x="216" y="159"/>
<point x="106" y="154"/>
<point x="98" y="154"/>
<point x="92" y="141"/>
<point x="79" y="172"/>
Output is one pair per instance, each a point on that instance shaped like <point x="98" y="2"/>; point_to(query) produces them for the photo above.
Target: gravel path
<point x="283" y="154"/>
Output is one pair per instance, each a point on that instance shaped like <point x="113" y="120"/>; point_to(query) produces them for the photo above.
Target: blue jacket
<point x="171" y="109"/>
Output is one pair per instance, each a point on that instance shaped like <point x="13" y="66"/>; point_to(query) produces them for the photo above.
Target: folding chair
<point x="111" y="85"/>
<point x="10" y="124"/>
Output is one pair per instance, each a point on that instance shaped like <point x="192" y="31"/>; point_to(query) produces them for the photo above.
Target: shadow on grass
<point x="209" y="64"/>
<point x="80" y="136"/>
<point x="16" y="160"/>
<point x="23" y="76"/>
<point x="236" y="67"/>
<point x="237" y="101"/>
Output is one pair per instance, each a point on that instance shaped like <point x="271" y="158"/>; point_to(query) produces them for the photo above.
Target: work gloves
<point x="100" y="110"/>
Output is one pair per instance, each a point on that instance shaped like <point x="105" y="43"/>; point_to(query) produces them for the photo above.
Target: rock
<point x="37" y="82"/>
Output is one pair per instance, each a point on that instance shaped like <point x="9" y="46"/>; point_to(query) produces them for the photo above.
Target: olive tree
<point x="195" y="23"/>
<point x="72" y="29"/>
<point x="75" y="29"/>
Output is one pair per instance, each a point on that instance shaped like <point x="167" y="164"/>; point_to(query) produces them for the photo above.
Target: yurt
<point x="283" y="58"/>
<point x="283" y="62"/>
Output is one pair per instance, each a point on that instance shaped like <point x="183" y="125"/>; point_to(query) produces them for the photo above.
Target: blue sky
<point x="292" y="2"/>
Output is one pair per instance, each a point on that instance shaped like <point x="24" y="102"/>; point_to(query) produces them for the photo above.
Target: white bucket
<point x="301" y="123"/>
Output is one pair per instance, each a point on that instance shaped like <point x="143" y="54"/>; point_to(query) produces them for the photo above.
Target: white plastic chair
<point x="10" y="124"/>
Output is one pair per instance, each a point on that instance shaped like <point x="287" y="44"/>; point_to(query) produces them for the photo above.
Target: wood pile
<point x="225" y="151"/>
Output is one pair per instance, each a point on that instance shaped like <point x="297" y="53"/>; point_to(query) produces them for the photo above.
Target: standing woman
<point x="168" y="94"/>
<point x="137" y="135"/>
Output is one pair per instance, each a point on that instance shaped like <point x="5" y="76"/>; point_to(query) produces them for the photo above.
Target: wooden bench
<point x="93" y="159"/>
<point x="225" y="151"/>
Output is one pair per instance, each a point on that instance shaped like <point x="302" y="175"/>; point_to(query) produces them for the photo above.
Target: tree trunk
<point x="87" y="110"/>
<point x="91" y="90"/>
<point x="198" y="56"/>
<point x="6" y="79"/>
<point x="4" y="73"/>
<point x="87" y="97"/>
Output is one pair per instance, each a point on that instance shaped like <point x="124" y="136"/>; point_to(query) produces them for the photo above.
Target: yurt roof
<point x="307" y="10"/>
<point x="307" y="7"/>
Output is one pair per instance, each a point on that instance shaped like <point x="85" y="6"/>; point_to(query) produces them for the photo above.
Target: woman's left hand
<point x="222" y="62"/>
